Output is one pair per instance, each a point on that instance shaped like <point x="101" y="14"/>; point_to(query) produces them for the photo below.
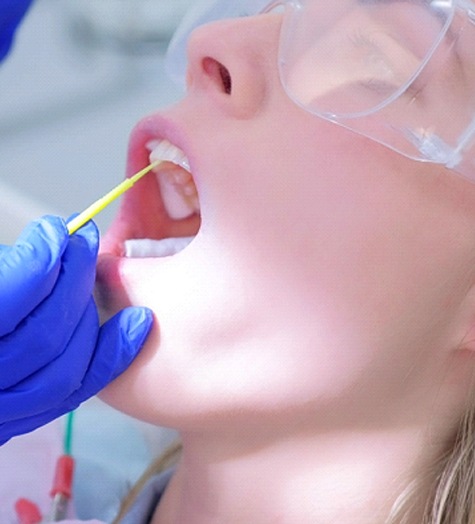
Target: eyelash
<point x="361" y="40"/>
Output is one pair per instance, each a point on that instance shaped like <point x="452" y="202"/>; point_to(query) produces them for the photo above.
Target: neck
<point x="345" y="477"/>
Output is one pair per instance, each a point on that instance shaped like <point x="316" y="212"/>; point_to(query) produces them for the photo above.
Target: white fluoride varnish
<point x="148" y="248"/>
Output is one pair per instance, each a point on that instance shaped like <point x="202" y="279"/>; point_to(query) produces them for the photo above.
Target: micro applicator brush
<point x="100" y="204"/>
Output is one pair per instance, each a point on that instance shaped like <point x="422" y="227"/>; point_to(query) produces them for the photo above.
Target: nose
<point x="235" y="62"/>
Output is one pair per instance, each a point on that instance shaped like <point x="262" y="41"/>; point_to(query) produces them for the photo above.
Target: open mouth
<point x="162" y="214"/>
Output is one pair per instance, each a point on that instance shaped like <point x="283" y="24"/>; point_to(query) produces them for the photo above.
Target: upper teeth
<point x="165" y="151"/>
<point x="177" y="187"/>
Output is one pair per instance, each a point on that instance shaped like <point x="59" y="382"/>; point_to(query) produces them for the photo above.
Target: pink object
<point x="27" y="512"/>
<point x="27" y="464"/>
<point x="63" y="477"/>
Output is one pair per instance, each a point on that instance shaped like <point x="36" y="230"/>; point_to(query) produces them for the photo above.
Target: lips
<point x="161" y="215"/>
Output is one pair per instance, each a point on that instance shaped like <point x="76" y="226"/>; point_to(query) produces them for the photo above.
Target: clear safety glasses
<point x="401" y="72"/>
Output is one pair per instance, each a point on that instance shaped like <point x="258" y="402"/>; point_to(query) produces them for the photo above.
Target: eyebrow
<point x="458" y="63"/>
<point x="422" y="3"/>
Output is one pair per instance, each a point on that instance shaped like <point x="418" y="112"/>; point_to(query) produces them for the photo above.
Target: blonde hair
<point x="451" y="501"/>
<point x="452" y="497"/>
<point x="167" y="460"/>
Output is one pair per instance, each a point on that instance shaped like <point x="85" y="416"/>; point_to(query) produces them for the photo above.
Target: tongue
<point x="146" y="247"/>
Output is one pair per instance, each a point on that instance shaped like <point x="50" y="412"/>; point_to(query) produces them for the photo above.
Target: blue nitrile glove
<point x="53" y="354"/>
<point x="11" y="13"/>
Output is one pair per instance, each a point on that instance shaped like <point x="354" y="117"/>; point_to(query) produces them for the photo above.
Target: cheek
<point x="357" y="233"/>
<point x="314" y="278"/>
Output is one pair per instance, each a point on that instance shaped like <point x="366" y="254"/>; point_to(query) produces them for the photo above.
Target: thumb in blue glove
<point x="11" y="14"/>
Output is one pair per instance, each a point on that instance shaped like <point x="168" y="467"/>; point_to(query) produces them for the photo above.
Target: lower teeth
<point x="179" y="200"/>
<point x="146" y="247"/>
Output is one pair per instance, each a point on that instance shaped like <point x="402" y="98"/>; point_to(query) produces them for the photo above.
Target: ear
<point x="465" y="323"/>
<point x="461" y="354"/>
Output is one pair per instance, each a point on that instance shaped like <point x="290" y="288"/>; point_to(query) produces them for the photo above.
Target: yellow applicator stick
<point x="100" y="204"/>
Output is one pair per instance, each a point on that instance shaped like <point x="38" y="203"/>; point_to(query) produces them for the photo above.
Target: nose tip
<point x="234" y="62"/>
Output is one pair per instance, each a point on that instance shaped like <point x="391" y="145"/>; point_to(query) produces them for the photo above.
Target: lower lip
<point x="112" y="282"/>
<point x="112" y="269"/>
<point x="110" y="289"/>
<point x="108" y="269"/>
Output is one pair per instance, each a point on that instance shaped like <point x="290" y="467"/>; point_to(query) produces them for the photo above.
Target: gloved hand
<point x="53" y="354"/>
<point x="11" y="13"/>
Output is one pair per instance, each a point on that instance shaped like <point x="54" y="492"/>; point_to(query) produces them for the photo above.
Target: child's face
<point x="326" y="273"/>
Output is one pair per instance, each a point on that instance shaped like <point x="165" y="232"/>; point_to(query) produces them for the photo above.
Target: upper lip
<point x="150" y="128"/>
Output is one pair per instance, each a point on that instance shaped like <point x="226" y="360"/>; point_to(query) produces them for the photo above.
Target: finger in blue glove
<point x="119" y="342"/>
<point x="29" y="269"/>
<point x="53" y="354"/>
<point x="44" y="333"/>
<point x="11" y="14"/>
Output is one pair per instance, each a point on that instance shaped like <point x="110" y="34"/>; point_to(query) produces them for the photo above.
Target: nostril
<point x="219" y="73"/>
<point x="226" y="79"/>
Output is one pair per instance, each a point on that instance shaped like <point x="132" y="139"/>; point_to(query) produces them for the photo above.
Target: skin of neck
<point x="296" y="476"/>
<point x="292" y="467"/>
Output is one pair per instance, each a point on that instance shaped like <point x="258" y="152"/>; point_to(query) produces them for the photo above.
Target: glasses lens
<point x="351" y="57"/>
